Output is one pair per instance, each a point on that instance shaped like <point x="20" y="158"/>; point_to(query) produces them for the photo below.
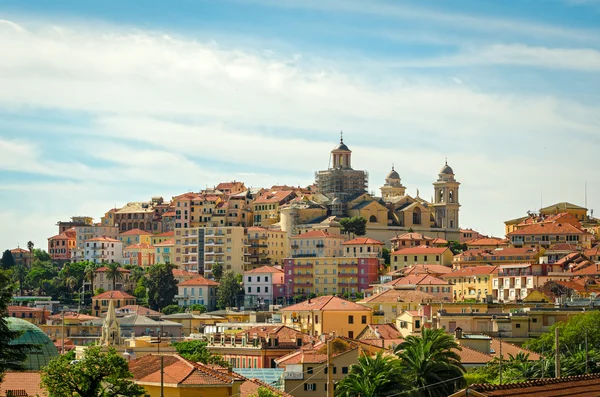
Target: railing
<point x="379" y="313"/>
<point x="304" y="256"/>
<point x="305" y="264"/>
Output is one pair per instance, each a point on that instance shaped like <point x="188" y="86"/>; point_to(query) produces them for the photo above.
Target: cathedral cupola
<point x="341" y="155"/>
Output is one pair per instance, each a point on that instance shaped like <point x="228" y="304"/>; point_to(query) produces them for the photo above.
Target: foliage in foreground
<point x="97" y="374"/>
<point x="196" y="351"/>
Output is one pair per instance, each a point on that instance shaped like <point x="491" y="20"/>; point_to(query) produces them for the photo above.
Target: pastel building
<point x="264" y="285"/>
<point x="421" y="255"/>
<point x="164" y="251"/>
<point x="21" y="256"/>
<point x="101" y="301"/>
<point x="198" y="290"/>
<point x="87" y="232"/>
<point x="141" y="254"/>
<point x="101" y="280"/>
<point x="60" y="246"/>
<point x="135" y="236"/>
<point x="317" y="243"/>
<point x="103" y="250"/>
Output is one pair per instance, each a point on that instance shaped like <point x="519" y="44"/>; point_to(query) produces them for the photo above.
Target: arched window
<point x="451" y="196"/>
<point x="373" y="218"/>
<point x="417" y="216"/>
<point x="441" y="195"/>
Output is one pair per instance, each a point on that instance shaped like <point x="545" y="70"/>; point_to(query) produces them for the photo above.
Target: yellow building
<point x="164" y="251"/>
<point x="278" y="246"/>
<point x="367" y="207"/>
<point x="550" y="233"/>
<point x="100" y="302"/>
<point x="194" y="323"/>
<point x="79" y="328"/>
<point x="135" y="236"/>
<point x="498" y="256"/>
<point x="327" y="314"/>
<point x="317" y="243"/>
<point x="421" y="255"/>
<point x="387" y="305"/>
<point x="472" y="282"/>
<point x="162" y="237"/>
<point x="579" y="212"/>
<point x="266" y="207"/>
<point x="182" y="378"/>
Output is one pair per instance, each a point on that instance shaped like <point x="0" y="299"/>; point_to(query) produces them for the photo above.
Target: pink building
<point x="264" y="285"/>
<point x="440" y="289"/>
<point x="60" y="246"/>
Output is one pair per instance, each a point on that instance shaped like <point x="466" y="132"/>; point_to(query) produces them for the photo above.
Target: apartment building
<point x="549" y="233"/>
<point x="140" y="254"/>
<point x="264" y="285"/>
<point x="198" y="290"/>
<point x="140" y="215"/>
<point x="517" y="280"/>
<point x="495" y="257"/>
<point x="421" y="255"/>
<point x="265" y="208"/>
<point x="85" y="233"/>
<point x="102" y="281"/>
<point x="474" y="282"/>
<point x="317" y="243"/>
<point x="101" y="301"/>
<point x="60" y="246"/>
<point x="439" y="288"/>
<point x="135" y="236"/>
<point x="103" y="250"/>
<point x="164" y="251"/>
<point x="266" y="247"/>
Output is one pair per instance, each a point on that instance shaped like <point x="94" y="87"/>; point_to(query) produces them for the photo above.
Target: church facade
<point x="342" y="192"/>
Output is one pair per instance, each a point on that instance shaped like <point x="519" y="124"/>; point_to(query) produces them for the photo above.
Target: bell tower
<point x="445" y="199"/>
<point x="341" y="155"/>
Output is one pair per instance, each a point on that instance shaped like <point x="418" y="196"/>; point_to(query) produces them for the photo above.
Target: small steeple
<point x="111" y="330"/>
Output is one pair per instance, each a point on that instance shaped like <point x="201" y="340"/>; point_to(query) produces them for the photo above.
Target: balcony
<point x="320" y="245"/>
<point x="295" y="246"/>
<point x="254" y="237"/>
<point x="259" y="245"/>
<point x="304" y="256"/>
<point x="379" y="313"/>
<point x="305" y="264"/>
<point x="348" y="265"/>
<point x="347" y="275"/>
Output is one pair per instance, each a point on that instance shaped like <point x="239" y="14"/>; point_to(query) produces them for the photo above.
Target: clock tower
<point x="445" y="199"/>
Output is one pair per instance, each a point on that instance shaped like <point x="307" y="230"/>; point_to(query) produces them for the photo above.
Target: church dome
<point x="393" y="174"/>
<point x="31" y="334"/>
<point x="342" y="146"/>
<point x="446" y="169"/>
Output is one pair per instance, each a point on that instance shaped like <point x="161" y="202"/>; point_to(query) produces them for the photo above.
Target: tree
<point x="229" y="288"/>
<point x="89" y="274"/>
<point x="456" y="247"/>
<point x="30" y="246"/>
<point x="196" y="351"/>
<point x="40" y="273"/>
<point x="430" y="363"/>
<point x="113" y="272"/>
<point x="97" y="374"/>
<point x="265" y="392"/>
<point x="41" y="255"/>
<point x="385" y="254"/>
<point x="19" y="274"/>
<point x="11" y="356"/>
<point x="357" y="225"/>
<point x="572" y="334"/>
<point x="8" y="260"/>
<point x="197" y="307"/>
<point x="172" y="309"/>
<point x="372" y="376"/>
<point x="217" y="271"/>
<point x="162" y="286"/>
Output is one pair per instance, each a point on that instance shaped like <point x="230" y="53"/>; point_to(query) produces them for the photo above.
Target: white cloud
<point x="167" y="112"/>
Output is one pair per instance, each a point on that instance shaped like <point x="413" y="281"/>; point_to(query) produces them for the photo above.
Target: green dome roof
<point x="38" y="358"/>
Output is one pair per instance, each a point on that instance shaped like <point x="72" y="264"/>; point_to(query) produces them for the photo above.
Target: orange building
<point x="32" y="314"/>
<point x="60" y="246"/>
<point x="141" y="254"/>
<point x="100" y="302"/>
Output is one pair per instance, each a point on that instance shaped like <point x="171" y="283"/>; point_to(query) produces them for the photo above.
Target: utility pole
<point x="586" y="353"/>
<point x="556" y="354"/>
<point x="329" y="369"/>
<point x="62" y="333"/>
<point x="500" y="365"/>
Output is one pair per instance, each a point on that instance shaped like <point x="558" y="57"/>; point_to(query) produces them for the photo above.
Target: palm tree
<point x="70" y="283"/>
<point x="30" y="246"/>
<point x="19" y="273"/>
<point x="372" y="376"/>
<point x="89" y="273"/>
<point x="430" y="363"/>
<point x="113" y="273"/>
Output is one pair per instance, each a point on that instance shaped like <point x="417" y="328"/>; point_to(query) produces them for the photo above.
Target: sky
<point x="106" y="102"/>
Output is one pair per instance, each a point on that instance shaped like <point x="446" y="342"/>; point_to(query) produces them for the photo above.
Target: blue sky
<point x="108" y="102"/>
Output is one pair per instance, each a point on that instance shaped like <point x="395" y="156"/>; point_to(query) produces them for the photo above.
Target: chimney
<point x="458" y="333"/>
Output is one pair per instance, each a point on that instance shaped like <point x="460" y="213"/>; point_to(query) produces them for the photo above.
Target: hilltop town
<point x="286" y="287"/>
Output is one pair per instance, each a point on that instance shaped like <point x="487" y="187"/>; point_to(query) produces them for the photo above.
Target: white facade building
<point x="263" y="285"/>
<point x="103" y="250"/>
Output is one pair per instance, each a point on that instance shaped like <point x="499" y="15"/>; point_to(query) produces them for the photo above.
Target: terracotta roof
<point x="134" y="232"/>
<point x="166" y="243"/>
<point x="412" y="236"/>
<point x="472" y="356"/>
<point x="104" y="268"/>
<point x="548" y="228"/>
<point x="181" y="273"/>
<point x="25" y="383"/>
<point x="425" y="269"/>
<point x="318" y="234"/>
<point x="169" y="213"/>
<point x="73" y="316"/>
<point x="472" y="271"/>
<point x="384" y="331"/>
<point x="362" y="241"/>
<point x="568" y="386"/>
<point x="257" y="229"/>
<point x="166" y="234"/>
<point x="501" y="251"/>
<point x="420" y="250"/>
<point x="250" y="388"/>
<point x="104" y="239"/>
<point x="487" y="241"/>
<point x="264" y="269"/>
<point x="562" y="247"/>
<point x="509" y="348"/>
<point x="274" y="196"/>
<point x="65" y="235"/>
<point x="114" y="295"/>
<point x="578" y="287"/>
<point x="176" y="370"/>
<point x="417" y="279"/>
<point x="283" y="333"/>
<point x="140" y="246"/>
<point x="593" y="251"/>
<point x="326" y="303"/>
<point x="200" y="281"/>
<point x="589" y="270"/>
<point x="439" y="240"/>
<point x="24" y="309"/>
<point x="19" y="251"/>
<point x="398" y="295"/>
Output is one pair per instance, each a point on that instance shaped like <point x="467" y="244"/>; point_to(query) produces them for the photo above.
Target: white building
<point x="87" y="232"/>
<point x="263" y="285"/>
<point x="198" y="291"/>
<point x="103" y="250"/>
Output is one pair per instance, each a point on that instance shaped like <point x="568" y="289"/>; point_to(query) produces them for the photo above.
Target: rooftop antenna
<point x="586" y="195"/>
<point x="541" y="198"/>
<point x="341" y="136"/>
